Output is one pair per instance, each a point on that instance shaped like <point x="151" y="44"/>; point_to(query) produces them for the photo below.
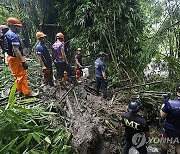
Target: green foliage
<point x="131" y="32"/>
<point x="23" y="129"/>
<point x="26" y="129"/>
<point x="162" y="30"/>
<point x="3" y="15"/>
<point x="12" y="98"/>
<point x="113" y="26"/>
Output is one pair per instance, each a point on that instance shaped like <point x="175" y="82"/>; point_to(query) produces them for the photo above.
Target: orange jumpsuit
<point x="19" y="73"/>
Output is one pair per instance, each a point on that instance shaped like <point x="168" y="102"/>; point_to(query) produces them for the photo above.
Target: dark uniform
<point x="134" y="124"/>
<point x="100" y="81"/>
<point x="172" y="121"/>
<point x="46" y="58"/>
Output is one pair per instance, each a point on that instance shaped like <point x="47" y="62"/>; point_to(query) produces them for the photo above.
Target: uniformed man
<point x="170" y="110"/>
<point x="136" y="128"/>
<point x="101" y="78"/>
<point x="45" y="58"/>
<point x="59" y="56"/>
<point x="60" y="60"/>
<point x="15" y="58"/>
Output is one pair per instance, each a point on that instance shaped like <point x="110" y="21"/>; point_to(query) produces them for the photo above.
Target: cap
<point x="102" y="53"/>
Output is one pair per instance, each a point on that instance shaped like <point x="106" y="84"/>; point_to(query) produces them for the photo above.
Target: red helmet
<point x="14" y="21"/>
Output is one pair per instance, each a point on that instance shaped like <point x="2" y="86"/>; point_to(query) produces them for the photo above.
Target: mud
<point x="86" y="114"/>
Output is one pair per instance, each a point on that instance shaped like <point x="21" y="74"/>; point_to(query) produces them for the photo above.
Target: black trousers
<point x="61" y="67"/>
<point x="100" y="83"/>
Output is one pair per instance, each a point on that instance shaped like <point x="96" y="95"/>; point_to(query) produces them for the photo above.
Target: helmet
<point x="134" y="106"/>
<point x="3" y="27"/>
<point x="40" y="35"/>
<point x="102" y="53"/>
<point x="14" y="21"/>
<point x="79" y="49"/>
<point x="60" y="35"/>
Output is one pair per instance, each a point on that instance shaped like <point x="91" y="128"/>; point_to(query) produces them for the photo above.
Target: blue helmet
<point x="134" y="106"/>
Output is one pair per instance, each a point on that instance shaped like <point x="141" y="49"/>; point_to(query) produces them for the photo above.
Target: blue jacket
<point x="172" y="108"/>
<point x="99" y="67"/>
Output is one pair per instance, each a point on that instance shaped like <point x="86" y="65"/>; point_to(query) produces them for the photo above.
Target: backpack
<point x="4" y="44"/>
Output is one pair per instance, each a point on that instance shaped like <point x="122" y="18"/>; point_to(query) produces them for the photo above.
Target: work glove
<point x="25" y="65"/>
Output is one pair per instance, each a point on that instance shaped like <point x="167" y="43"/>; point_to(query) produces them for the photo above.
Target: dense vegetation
<point x="132" y="32"/>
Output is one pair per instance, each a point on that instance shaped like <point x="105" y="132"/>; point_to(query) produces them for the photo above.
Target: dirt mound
<point x="89" y="125"/>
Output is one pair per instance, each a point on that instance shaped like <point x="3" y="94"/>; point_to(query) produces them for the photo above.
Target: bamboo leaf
<point x="37" y="137"/>
<point x="49" y="113"/>
<point x="11" y="99"/>
<point x="21" y="130"/>
<point x="20" y="145"/>
<point x="34" y="152"/>
<point x="47" y="139"/>
<point x="22" y="109"/>
<point x="14" y="115"/>
<point x="9" y="146"/>
<point x="28" y="100"/>
<point x="28" y="139"/>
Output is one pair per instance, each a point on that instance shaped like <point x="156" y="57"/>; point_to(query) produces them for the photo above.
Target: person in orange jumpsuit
<point x="15" y="58"/>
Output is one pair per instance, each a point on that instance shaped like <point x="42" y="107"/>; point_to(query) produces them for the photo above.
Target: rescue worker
<point x="136" y="128"/>
<point x="101" y="79"/>
<point x="59" y="56"/>
<point x="78" y="63"/>
<point x="44" y="58"/>
<point x="60" y="59"/>
<point x="170" y="111"/>
<point x="15" y="58"/>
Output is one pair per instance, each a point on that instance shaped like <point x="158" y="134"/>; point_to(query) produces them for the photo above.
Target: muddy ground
<point x="93" y="122"/>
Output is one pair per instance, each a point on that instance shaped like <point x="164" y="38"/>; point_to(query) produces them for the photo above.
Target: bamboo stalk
<point x="64" y="96"/>
<point x="135" y="86"/>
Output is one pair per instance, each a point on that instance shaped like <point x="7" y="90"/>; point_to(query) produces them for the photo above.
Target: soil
<point x="93" y="122"/>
